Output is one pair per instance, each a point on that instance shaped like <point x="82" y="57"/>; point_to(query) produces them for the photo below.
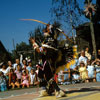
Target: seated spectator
<point x="33" y="77"/>
<point x="96" y="64"/>
<point x="91" y="71"/>
<point x="12" y="79"/>
<point x="66" y="74"/>
<point x="18" y="74"/>
<point x="25" y="80"/>
<point x="60" y="77"/>
<point x="75" y="77"/>
<point x="3" y="86"/>
<point x="83" y="72"/>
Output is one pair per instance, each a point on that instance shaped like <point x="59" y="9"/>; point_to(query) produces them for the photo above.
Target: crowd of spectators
<point x="85" y="69"/>
<point x="20" y="75"/>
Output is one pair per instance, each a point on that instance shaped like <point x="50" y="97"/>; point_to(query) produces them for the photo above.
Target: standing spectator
<point x="12" y="79"/>
<point x="3" y="69"/>
<point x="87" y="54"/>
<point x="82" y="58"/>
<point x="91" y="71"/>
<point x="96" y="64"/>
<point x="17" y="63"/>
<point x="3" y="85"/>
<point x="83" y="72"/>
<point x="9" y="67"/>
<point x="24" y="80"/>
<point x="24" y="65"/>
<point x="29" y="66"/>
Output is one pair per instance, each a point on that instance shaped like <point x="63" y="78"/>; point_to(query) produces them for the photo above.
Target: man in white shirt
<point x="17" y="63"/>
<point x="82" y="58"/>
<point x="9" y="67"/>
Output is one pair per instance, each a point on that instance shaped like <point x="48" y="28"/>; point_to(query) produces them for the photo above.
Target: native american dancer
<point x="51" y="57"/>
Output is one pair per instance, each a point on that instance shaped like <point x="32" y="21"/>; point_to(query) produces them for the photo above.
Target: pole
<point x="93" y="36"/>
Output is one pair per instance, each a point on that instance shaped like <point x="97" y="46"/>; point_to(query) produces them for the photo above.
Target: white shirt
<point x="4" y="71"/>
<point x="15" y="66"/>
<point x="8" y="69"/>
<point x="32" y="77"/>
<point x="90" y="69"/>
<point x="82" y="59"/>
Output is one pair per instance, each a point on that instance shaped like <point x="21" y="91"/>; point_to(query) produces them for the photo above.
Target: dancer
<point x="51" y="58"/>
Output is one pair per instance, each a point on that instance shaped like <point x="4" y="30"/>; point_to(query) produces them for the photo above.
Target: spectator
<point x="66" y="74"/>
<point x="83" y="72"/>
<point x="91" y="71"/>
<point x="75" y="77"/>
<point x="17" y="63"/>
<point x="32" y="77"/>
<point x="24" y="80"/>
<point x="3" y="69"/>
<point x="9" y="67"/>
<point x="18" y="74"/>
<point x="29" y="66"/>
<point x="87" y="54"/>
<point x="12" y="79"/>
<point x="60" y="77"/>
<point x="82" y="58"/>
<point x="24" y="64"/>
<point x="3" y="86"/>
<point x="96" y="64"/>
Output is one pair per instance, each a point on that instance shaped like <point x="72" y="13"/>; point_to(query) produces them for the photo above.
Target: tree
<point x="67" y="11"/>
<point x="71" y="12"/>
<point x="24" y="49"/>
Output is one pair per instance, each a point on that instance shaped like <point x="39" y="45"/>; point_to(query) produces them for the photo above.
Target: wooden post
<point x="93" y="36"/>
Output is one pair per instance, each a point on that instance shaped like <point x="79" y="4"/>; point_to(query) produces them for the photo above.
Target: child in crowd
<point x="60" y="77"/>
<point x="18" y="74"/>
<point x="83" y="72"/>
<point x="3" y="86"/>
<point x="96" y="64"/>
<point x="91" y="71"/>
<point x="75" y="77"/>
<point x="24" y="80"/>
<point x="12" y="79"/>
<point x="32" y="77"/>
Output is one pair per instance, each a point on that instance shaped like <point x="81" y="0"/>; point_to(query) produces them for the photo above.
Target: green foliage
<point x="22" y="48"/>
